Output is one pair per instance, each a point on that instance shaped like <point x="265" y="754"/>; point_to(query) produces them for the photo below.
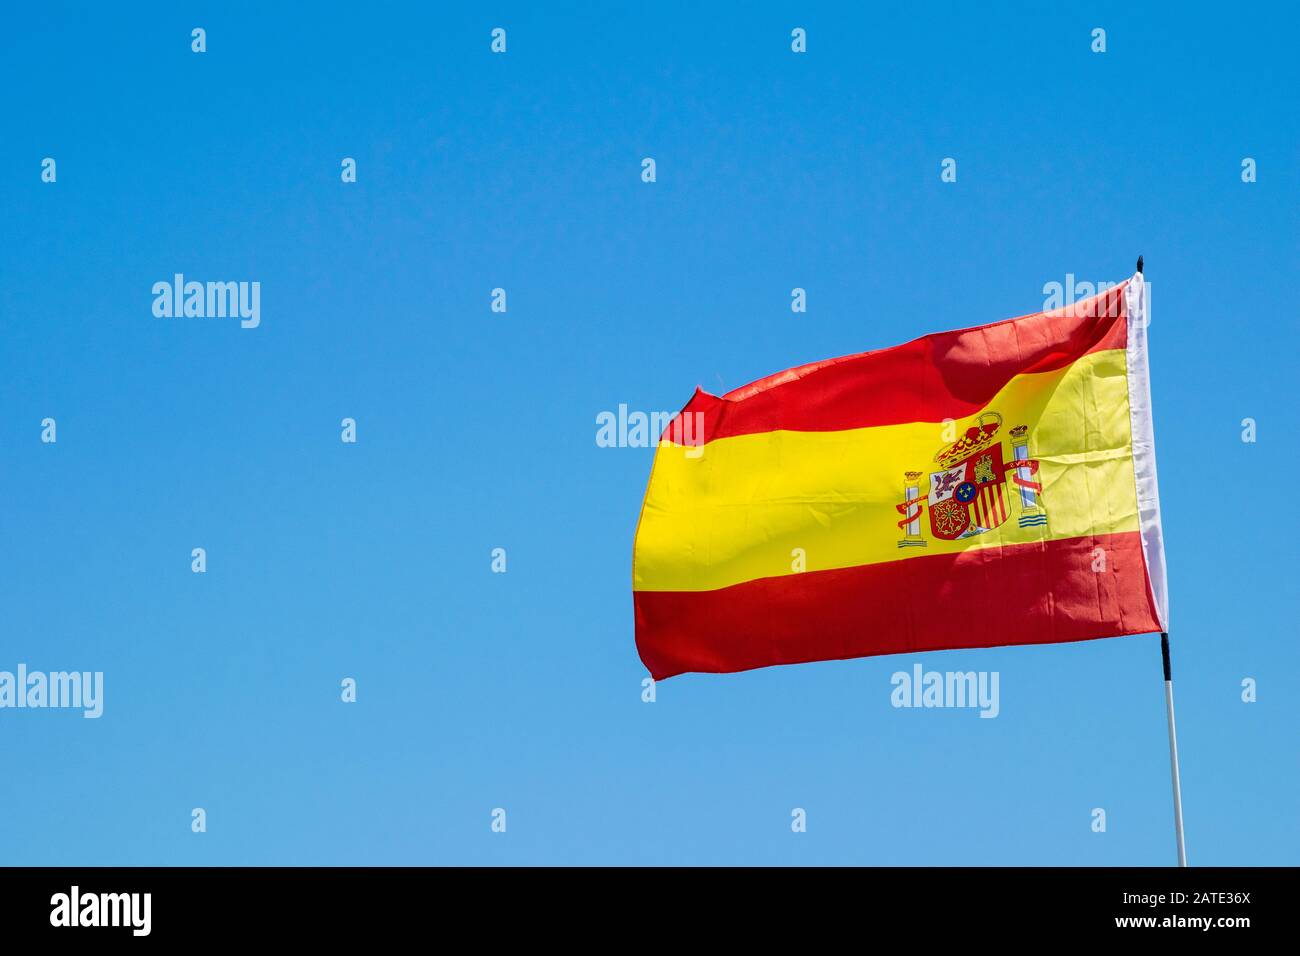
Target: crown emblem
<point x="975" y="490"/>
<point x="978" y="437"/>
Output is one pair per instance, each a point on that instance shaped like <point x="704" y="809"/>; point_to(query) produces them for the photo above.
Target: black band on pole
<point x="1139" y="263"/>
<point x="1164" y="653"/>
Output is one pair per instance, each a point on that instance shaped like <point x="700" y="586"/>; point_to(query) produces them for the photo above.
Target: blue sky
<point x="476" y="430"/>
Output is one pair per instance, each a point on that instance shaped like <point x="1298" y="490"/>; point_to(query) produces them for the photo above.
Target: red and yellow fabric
<point x="990" y="486"/>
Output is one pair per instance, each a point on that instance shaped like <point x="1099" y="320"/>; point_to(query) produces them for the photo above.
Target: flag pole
<point x="1173" y="734"/>
<point x="1173" y="750"/>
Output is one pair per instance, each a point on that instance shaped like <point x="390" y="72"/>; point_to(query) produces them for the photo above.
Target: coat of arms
<point x="968" y="491"/>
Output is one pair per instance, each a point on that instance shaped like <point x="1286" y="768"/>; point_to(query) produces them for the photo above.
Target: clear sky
<point x="476" y="430"/>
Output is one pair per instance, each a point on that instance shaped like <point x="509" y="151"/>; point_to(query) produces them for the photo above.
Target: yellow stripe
<point x="737" y="511"/>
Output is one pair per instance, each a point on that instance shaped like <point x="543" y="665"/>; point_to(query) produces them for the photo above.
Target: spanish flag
<point x="990" y="486"/>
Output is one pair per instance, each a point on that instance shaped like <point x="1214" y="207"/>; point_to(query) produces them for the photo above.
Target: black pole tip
<point x="1139" y="264"/>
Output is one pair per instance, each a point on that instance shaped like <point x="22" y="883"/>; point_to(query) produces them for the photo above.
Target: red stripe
<point x="945" y="375"/>
<point x="1039" y="593"/>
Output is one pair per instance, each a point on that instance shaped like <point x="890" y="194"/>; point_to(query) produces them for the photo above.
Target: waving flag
<point x="989" y="486"/>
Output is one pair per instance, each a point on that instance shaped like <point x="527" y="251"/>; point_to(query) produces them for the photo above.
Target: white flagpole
<point x="1164" y="649"/>
<point x="1173" y="751"/>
